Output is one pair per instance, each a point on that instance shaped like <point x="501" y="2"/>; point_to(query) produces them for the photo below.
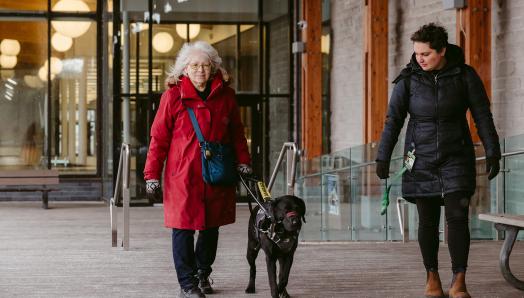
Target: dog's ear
<point x="302" y="206"/>
<point x="272" y="206"/>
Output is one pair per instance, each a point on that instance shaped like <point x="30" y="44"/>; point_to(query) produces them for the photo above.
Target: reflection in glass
<point x="73" y="5"/>
<point x="246" y="118"/>
<point x="171" y="43"/>
<point x="206" y="10"/>
<point x="248" y="77"/>
<point x="22" y="95"/>
<point x="223" y="38"/>
<point x="74" y="96"/>
<point x="34" y="5"/>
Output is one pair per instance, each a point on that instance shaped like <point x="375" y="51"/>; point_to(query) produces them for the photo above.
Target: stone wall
<point x="507" y="67"/>
<point x="346" y="74"/>
<point x="405" y="16"/>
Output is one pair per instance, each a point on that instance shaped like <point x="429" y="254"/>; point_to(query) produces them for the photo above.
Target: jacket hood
<point x="187" y="90"/>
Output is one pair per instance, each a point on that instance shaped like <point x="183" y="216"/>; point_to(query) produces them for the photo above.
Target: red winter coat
<point x="189" y="203"/>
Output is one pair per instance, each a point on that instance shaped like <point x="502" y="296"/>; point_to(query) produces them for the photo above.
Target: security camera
<point x="302" y="24"/>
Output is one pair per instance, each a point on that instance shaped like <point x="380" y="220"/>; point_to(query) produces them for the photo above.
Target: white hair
<point x="184" y="56"/>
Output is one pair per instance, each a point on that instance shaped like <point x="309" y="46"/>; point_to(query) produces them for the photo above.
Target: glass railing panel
<point x="481" y="200"/>
<point x="336" y="178"/>
<point x="342" y="192"/>
<point x="279" y="185"/>
<point x="396" y="164"/>
<point x="366" y="194"/>
<point x="308" y="187"/>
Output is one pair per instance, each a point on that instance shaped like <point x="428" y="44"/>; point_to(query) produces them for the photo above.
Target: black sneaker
<point x="191" y="293"/>
<point x="204" y="284"/>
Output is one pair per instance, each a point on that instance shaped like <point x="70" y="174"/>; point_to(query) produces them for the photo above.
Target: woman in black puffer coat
<point x="436" y="89"/>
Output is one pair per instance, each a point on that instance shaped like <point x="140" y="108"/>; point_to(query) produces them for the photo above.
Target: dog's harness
<point x="274" y="230"/>
<point x="267" y="224"/>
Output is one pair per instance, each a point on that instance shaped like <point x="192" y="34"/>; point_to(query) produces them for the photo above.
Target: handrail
<point x="291" y="149"/>
<point x="369" y="163"/>
<point x="122" y="177"/>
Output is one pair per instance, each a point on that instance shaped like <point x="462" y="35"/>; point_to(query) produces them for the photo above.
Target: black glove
<point x="382" y="169"/>
<point x="244" y="169"/>
<point x="153" y="190"/>
<point x="492" y="167"/>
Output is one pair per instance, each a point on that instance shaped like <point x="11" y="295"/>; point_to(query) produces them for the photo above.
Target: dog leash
<point x="263" y="191"/>
<point x="407" y="166"/>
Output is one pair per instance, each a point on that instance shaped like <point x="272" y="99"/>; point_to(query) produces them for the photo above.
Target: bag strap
<point x="196" y="127"/>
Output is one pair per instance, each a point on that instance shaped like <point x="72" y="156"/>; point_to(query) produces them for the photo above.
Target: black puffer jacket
<point x="437" y="127"/>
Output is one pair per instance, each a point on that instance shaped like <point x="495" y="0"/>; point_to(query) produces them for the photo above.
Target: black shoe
<point x="203" y="283"/>
<point x="191" y="293"/>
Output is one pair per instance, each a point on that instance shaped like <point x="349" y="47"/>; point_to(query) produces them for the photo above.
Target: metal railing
<point x="291" y="150"/>
<point x="122" y="178"/>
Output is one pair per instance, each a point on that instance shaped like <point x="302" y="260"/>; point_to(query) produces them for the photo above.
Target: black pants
<point x="190" y="259"/>
<point x="456" y="210"/>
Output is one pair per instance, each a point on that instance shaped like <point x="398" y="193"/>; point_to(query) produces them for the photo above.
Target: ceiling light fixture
<point x="71" y="28"/>
<point x="61" y="42"/>
<point x="10" y="47"/>
<point x="7" y="61"/>
<point x="163" y="42"/>
<point x="181" y="30"/>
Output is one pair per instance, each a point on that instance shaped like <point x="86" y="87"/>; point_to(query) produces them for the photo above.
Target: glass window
<point x="23" y="107"/>
<point x="248" y="76"/>
<point x="206" y="10"/>
<point x="34" y="5"/>
<point x="138" y="61"/>
<point x="274" y="9"/>
<point x="72" y="5"/>
<point x="224" y="39"/>
<point x="74" y="101"/>
<point x="167" y="41"/>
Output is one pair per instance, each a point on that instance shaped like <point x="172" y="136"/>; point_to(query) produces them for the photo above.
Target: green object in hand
<point x="408" y="165"/>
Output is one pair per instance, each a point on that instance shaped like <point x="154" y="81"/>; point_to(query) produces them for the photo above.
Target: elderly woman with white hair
<point x="198" y="82"/>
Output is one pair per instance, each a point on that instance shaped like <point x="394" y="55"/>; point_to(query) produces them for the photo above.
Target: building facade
<point x="80" y="77"/>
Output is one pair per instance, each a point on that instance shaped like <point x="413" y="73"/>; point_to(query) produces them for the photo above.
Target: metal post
<point x="290" y="175"/>
<point x="289" y="160"/>
<point x="122" y="180"/>
<point x="499" y="197"/>
<point x="126" y="114"/>
<point x="403" y="220"/>
<point x="114" y="200"/>
<point x="125" y="193"/>
<point x="291" y="168"/>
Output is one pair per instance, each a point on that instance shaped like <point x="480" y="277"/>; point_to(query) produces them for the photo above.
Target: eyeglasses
<point x="197" y="66"/>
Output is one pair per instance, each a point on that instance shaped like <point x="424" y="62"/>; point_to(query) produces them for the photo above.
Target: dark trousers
<point x="456" y="207"/>
<point x="189" y="260"/>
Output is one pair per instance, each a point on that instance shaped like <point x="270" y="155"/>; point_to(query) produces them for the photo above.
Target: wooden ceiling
<point x="32" y="37"/>
<point x="37" y="5"/>
<point x="31" y="33"/>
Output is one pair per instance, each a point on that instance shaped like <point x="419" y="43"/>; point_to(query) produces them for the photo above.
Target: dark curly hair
<point x="435" y="35"/>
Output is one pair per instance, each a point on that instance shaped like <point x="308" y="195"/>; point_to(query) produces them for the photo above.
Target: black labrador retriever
<point x="277" y="234"/>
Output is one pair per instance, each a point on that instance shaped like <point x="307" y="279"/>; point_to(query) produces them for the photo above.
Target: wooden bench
<point x="41" y="179"/>
<point x="511" y="224"/>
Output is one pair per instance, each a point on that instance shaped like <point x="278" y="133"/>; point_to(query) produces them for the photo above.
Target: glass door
<point x="152" y="34"/>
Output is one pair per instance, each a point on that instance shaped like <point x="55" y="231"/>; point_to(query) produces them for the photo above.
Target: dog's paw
<point x="250" y="290"/>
